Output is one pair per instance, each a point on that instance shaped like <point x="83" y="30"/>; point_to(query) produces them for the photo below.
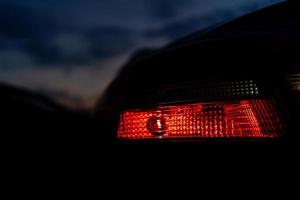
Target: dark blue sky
<point x="71" y="49"/>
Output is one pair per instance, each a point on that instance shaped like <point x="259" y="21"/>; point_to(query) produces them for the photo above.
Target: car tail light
<point x="255" y="118"/>
<point x="294" y="82"/>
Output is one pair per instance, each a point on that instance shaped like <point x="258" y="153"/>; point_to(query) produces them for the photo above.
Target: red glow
<point x="246" y="118"/>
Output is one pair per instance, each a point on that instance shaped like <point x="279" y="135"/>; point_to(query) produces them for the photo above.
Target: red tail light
<point x="244" y="118"/>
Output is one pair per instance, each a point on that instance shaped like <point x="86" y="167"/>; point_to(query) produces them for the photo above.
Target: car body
<point x="263" y="46"/>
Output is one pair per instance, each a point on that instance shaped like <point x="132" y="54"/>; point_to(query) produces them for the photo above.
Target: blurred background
<point x="70" y="50"/>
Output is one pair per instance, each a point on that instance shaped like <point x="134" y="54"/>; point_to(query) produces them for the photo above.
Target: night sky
<point x="70" y="50"/>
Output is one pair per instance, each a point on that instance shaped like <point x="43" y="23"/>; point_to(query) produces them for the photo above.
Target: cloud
<point x="72" y="50"/>
<point x="14" y="59"/>
<point x="76" y="33"/>
<point x="23" y="22"/>
<point x="48" y="42"/>
<point x="83" y="84"/>
<point x="199" y="17"/>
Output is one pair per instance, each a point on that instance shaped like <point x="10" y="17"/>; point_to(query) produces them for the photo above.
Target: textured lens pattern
<point x="208" y="90"/>
<point x="246" y="118"/>
<point x="294" y="81"/>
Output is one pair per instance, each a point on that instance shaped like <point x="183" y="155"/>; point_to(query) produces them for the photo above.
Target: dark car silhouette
<point x="249" y="65"/>
<point x="212" y="68"/>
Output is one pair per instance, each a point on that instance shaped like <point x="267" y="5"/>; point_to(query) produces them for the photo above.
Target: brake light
<point x="243" y="118"/>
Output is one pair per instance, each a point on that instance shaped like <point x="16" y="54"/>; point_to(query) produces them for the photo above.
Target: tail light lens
<point x="294" y="82"/>
<point x="255" y="118"/>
